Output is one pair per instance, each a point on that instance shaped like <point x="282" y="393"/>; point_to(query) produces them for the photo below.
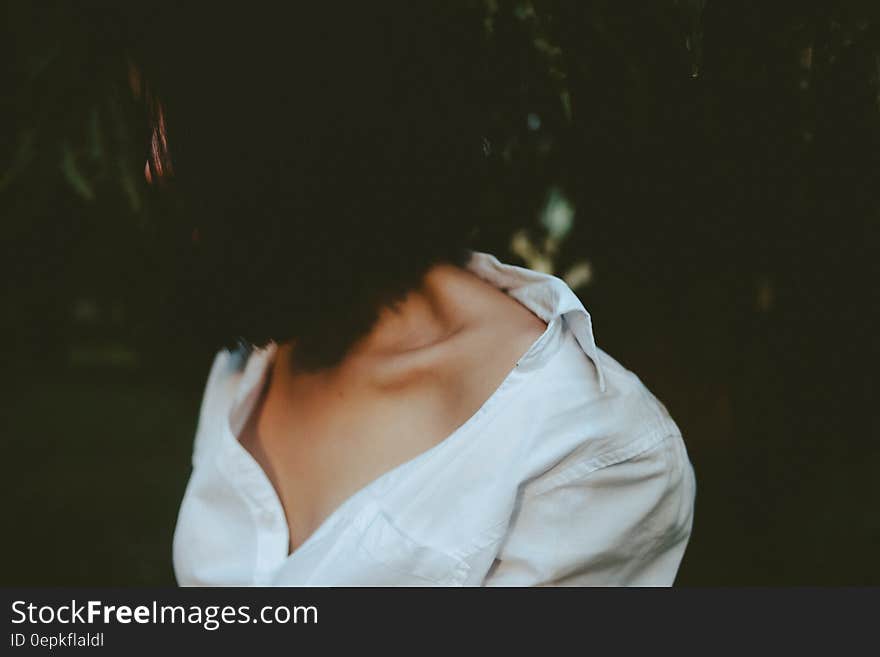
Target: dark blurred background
<point x="704" y="173"/>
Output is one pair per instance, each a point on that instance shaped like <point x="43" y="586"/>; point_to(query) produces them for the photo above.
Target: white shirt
<point x="571" y="473"/>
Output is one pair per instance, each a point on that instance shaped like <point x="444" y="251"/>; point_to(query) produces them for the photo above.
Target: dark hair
<point x="326" y="157"/>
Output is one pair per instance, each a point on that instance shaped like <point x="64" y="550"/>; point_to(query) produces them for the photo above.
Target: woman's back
<point x="422" y="371"/>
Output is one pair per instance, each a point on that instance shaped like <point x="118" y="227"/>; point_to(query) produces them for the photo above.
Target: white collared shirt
<point x="571" y="473"/>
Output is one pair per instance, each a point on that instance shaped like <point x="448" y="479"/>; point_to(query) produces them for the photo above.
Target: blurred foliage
<point x="608" y="111"/>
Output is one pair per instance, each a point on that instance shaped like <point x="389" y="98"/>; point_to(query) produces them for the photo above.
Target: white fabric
<point x="571" y="473"/>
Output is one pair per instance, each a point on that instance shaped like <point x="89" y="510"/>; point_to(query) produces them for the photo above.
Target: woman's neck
<point x="412" y="338"/>
<point x="428" y="314"/>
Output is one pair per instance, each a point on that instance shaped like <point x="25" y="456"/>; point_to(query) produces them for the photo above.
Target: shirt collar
<point x="545" y="295"/>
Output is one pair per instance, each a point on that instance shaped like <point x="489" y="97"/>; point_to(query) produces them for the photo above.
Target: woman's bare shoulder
<point x="463" y="371"/>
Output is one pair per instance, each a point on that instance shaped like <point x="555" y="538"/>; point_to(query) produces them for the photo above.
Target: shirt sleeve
<point x="602" y="522"/>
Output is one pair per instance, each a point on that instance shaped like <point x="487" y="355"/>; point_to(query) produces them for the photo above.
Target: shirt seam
<point x="601" y="461"/>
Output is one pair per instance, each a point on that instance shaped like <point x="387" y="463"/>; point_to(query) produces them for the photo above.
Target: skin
<point x="421" y="372"/>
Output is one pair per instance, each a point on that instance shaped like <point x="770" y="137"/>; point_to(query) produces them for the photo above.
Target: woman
<point x="400" y="409"/>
